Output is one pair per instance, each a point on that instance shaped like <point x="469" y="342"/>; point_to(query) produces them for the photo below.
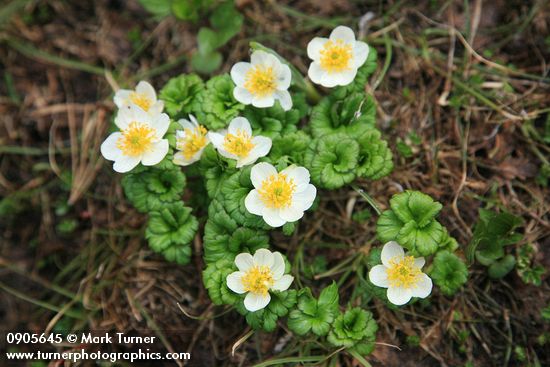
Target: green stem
<point x="359" y="358"/>
<point x="368" y="198"/>
<point x="272" y="362"/>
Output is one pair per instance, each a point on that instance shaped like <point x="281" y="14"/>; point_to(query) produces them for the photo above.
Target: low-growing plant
<point x="262" y="145"/>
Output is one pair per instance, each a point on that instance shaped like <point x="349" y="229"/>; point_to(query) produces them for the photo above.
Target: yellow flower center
<point x="136" y="139"/>
<point x="260" y="81"/>
<point x="239" y="144"/>
<point x="335" y="56"/>
<point x="403" y="273"/>
<point x="276" y="191"/>
<point x="141" y="100"/>
<point x="258" y="280"/>
<point x="193" y="141"/>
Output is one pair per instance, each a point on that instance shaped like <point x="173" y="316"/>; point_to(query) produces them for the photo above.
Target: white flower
<point x="238" y="143"/>
<point x="401" y="274"/>
<point x="258" y="275"/>
<point x="190" y="141"/>
<point x="261" y="81"/>
<point x="279" y="197"/>
<point x="139" y="139"/>
<point x="144" y="96"/>
<point x="337" y="58"/>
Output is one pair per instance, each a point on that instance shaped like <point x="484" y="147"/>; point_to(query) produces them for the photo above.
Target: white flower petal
<point x="272" y="217"/>
<point x="378" y="276"/>
<point x="147" y="90"/>
<point x="284" y="99"/>
<point x="283" y="283"/>
<point x="263" y="257"/>
<point x="235" y="283"/>
<point x="315" y="46"/>
<point x="300" y="175"/>
<point x="392" y="250"/>
<point x="342" y="33"/>
<point x="261" y="172"/>
<point x="237" y="124"/>
<point x="345" y="77"/>
<point x="330" y="80"/>
<point x="156" y="108"/>
<point x="125" y="163"/>
<point x="291" y="213"/>
<point x="262" y="146"/>
<point x="156" y="154"/>
<point x="399" y="296"/>
<point x="186" y="124"/>
<point x="423" y="287"/>
<point x="121" y="97"/>
<point x="244" y="261"/>
<point x="284" y="77"/>
<point x="254" y="302"/>
<point x="278" y="268"/>
<point x="316" y="72"/>
<point x="264" y="101"/>
<point x="109" y="149"/>
<point x="193" y="120"/>
<point x="360" y="53"/>
<point x="179" y="158"/>
<point x="253" y="203"/>
<point x="305" y="199"/>
<point x="239" y="71"/>
<point x="137" y="114"/>
<point x="419" y="262"/>
<point x="160" y="123"/>
<point x="216" y="139"/>
<point x="259" y="58"/>
<point x="242" y="95"/>
<point x="123" y="118"/>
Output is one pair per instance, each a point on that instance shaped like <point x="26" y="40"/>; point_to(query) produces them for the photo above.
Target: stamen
<point x="239" y="144"/>
<point x="258" y="280"/>
<point x="193" y="141"/>
<point x="336" y="56"/>
<point x="403" y="273"/>
<point x="277" y="190"/>
<point x="141" y="100"/>
<point x="260" y="81"/>
<point x="136" y="139"/>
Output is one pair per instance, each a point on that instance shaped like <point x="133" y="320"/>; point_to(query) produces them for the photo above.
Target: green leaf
<point x="206" y="63"/>
<point x="214" y="278"/>
<point x="375" y="158"/>
<point x="289" y="149"/>
<point x="159" y="8"/>
<point x="207" y="40"/>
<point x="225" y="239"/>
<point x="352" y="328"/>
<point x="332" y="160"/>
<point x="180" y="95"/>
<point x="423" y="241"/>
<point x="216" y="106"/>
<point x="388" y="226"/>
<point x="492" y="232"/>
<point x="314" y="315"/>
<point x="190" y="10"/>
<point x="416" y="206"/>
<point x="171" y="230"/>
<point x="274" y="121"/>
<point x="499" y="269"/>
<point x="152" y="188"/>
<point x="355" y="114"/>
<point x="266" y="318"/>
<point x="227" y="21"/>
<point x="448" y="272"/>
